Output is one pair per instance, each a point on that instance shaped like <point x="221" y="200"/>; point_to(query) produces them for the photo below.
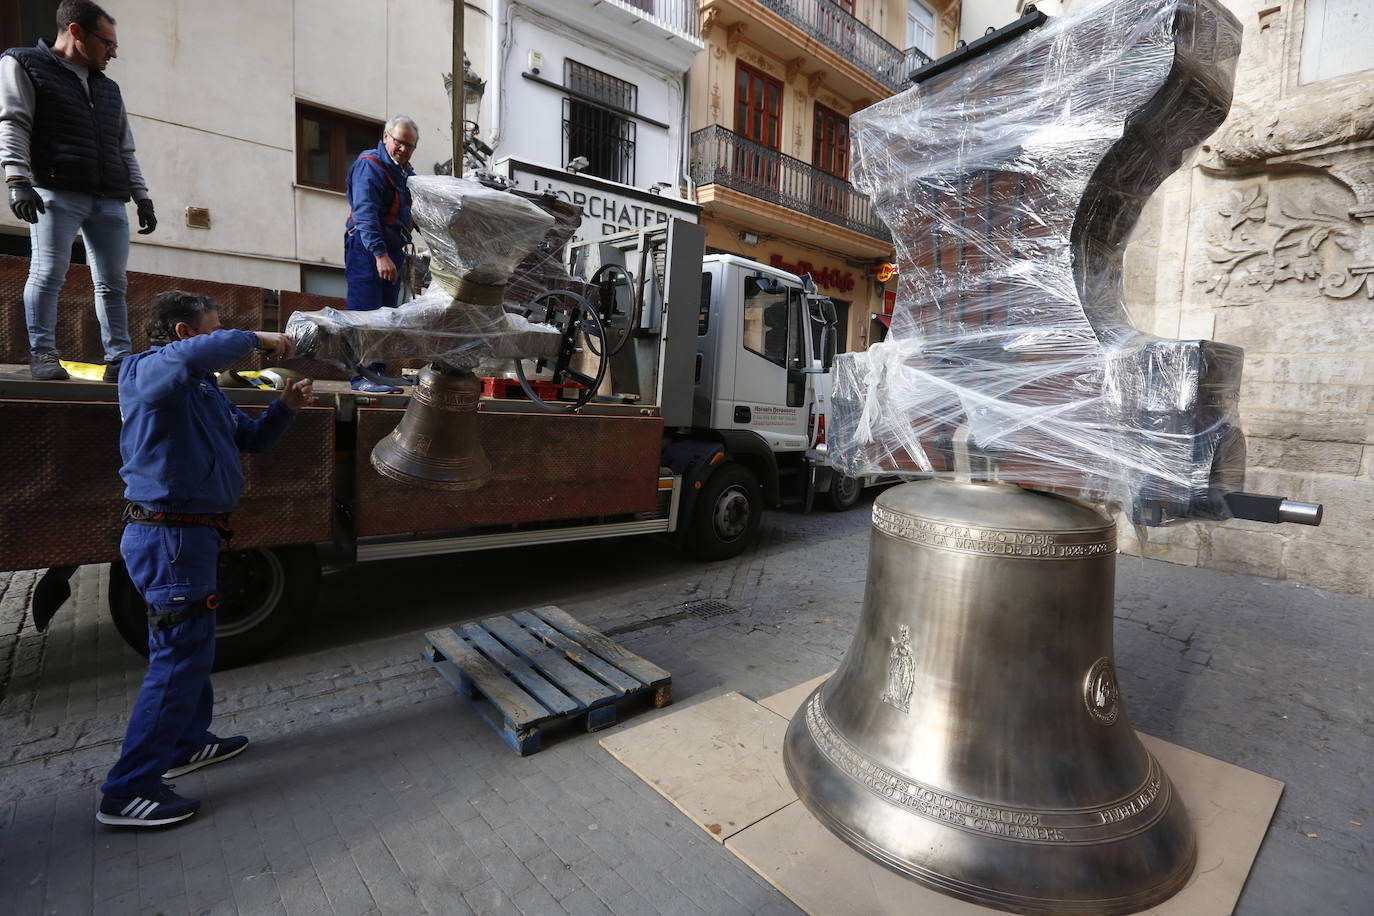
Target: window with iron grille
<point x="600" y="86"/>
<point x="601" y="134"/>
<point x="603" y="137"/>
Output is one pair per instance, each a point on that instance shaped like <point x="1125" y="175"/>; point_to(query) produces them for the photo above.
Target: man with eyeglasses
<point x="68" y="157"/>
<point x="378" y="227"/>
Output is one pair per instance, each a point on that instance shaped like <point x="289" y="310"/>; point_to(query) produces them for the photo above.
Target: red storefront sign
<point x="825" y="277"/>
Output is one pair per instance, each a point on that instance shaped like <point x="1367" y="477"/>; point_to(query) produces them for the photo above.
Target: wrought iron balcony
<point x="721" y="156"/>
<point x="856" y="42"/>
<point x="674" y="15"/>
<point x="913" y="59"/>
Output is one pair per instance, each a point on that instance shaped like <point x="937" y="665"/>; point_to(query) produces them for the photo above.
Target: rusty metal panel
<point x="78" y="329"/>
<point x="544" y="467"/>
<point x="61" y="496"/>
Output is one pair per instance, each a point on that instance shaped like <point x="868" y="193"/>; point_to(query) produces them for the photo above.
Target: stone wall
<point x="1266" y="240"/>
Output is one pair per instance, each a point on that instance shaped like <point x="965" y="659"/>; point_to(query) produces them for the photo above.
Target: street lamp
<point x="466" y="139"/>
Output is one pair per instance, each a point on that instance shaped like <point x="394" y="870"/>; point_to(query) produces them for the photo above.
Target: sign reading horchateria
<point x="608" y="207"/>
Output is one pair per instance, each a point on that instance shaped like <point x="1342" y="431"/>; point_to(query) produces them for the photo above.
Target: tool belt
<point x="165" y="620"/>
<point x="141" y="515"/>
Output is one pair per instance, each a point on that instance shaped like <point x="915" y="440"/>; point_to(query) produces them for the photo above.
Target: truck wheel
<point x="725" y="518"/>
<point x="265" y="593"/>
<point x="844" y="492"/>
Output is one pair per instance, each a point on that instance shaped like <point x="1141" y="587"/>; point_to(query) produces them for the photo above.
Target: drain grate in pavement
<point x="702" y="610"/>
<point x="709" y="608"/>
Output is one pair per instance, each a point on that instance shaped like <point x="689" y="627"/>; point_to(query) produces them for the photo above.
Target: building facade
<point x="247" y="115"/>
<point x="588" y="99"/>
<point x="769" y="154"/>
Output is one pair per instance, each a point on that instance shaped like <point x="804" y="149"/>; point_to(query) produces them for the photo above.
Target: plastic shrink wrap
<point x="1011" y="183"/>
<point x="476" y="236"/>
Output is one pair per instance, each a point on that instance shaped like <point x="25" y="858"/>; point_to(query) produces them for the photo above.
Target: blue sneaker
<point x="214" y="751"/>
<point x="367" y="386"/>
<point x="158" y="810"/>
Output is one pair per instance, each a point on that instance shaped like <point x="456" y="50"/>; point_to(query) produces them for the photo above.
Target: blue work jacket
<point x="379" y="201"/>
<point x="182" y="436"/>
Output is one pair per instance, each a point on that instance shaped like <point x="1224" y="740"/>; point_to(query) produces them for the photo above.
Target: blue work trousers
<point x="173" y="568"/>
<point x="104" y="225"/>
<point x="366" y="290"/>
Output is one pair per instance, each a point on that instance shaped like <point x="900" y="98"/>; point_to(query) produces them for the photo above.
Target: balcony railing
<point x="675" y="15"/>
<point x="913" y="59"/>
<point x="856" y="42"/>
<point x="721" y="156"/>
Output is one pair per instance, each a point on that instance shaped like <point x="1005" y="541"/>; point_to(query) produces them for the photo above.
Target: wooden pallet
<point x="530" y="672"/>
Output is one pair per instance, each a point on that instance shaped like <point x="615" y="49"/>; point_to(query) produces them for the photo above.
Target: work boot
<point x="112" y="371"/>
<point x="47" y="367"/>
<point x="159" y="809"/>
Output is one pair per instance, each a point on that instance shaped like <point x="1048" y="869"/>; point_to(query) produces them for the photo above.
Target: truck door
<point x="771" y="389"/>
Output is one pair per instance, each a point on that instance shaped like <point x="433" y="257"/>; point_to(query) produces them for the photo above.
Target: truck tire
<point x="726" y="515"/>
<point x="265" y="594"/>
<point x="844" y="493"/>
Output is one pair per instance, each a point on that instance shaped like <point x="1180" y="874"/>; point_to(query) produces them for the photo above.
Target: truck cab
<point x="757" y="349"/>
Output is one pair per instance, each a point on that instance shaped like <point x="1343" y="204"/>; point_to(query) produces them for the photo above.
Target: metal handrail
<point x="842" y="31"/>
<point x="721" y="156"/>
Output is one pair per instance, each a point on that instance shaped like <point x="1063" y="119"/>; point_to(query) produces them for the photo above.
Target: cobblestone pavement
<point x="371" y="788"/>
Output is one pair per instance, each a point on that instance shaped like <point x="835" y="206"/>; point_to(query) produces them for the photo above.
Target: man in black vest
<point x="68" y="156"/>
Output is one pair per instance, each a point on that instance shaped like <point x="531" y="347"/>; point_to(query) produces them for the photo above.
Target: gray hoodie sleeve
<point x="137" y="188"/>
<point x="16" y="119"/>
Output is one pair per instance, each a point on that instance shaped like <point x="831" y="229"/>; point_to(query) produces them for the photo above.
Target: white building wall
<point x="211" y="90"/>
<point x="524" y="119"/>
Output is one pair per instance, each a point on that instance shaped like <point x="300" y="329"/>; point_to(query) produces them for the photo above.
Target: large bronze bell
<point x="436" y="444"/>
<point x="974" y="738"/>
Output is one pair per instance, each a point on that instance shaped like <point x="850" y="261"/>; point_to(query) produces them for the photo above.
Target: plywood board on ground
<point x="789" y="701"/>
<point x="719" y="762"/>
<point x="709" y="766"/>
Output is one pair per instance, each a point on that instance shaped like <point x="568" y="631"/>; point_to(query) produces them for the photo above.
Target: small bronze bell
<point x="436" y="445"/>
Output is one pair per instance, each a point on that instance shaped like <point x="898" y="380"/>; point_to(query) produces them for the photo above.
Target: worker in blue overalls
<point x="180" y="442"/>
<point x="378" y="227"/>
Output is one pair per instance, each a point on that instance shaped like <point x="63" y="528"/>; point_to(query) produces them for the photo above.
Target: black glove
<point x="24" y="201"/>
<point x="147" y="219"/>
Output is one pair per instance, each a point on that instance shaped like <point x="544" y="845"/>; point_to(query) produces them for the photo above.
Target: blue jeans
<point x="172" y="568"/>
<point x="105" y="227"/>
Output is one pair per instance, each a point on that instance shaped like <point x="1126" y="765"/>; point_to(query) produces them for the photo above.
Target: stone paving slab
<point x="371" y="788"/>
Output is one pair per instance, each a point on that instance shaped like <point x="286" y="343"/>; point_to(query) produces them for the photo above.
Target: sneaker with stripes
<point x="215" y="750"/>
<point x="165" y="807"/>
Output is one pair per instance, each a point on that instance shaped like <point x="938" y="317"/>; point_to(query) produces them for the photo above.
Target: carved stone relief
<point x="759" y="60"/>
<point x="708" y="20"/>
<point x="813" y="82"/>
<point x="1256" y="239"/>
<point x="733" y="34"/>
